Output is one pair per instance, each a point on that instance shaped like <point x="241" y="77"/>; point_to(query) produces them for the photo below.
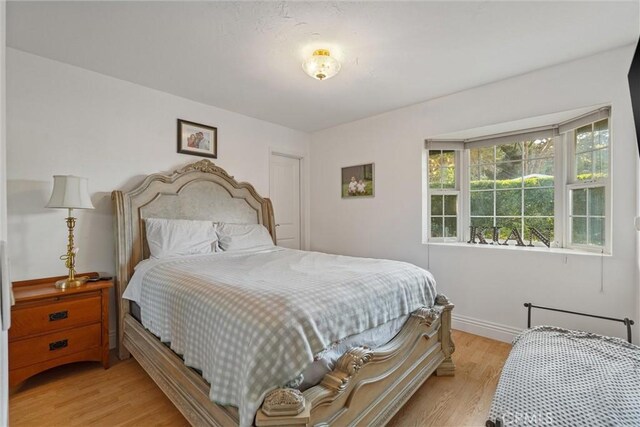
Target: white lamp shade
<point x="70" y="192"/>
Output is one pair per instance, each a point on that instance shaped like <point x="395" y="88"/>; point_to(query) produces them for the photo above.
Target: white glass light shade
<point x="70" y="192"/>
<point x="321" y="65"/>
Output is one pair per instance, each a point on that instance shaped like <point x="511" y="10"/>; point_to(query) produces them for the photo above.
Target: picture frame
<point x="197" y="139"/>
<point x="358" y="181"/>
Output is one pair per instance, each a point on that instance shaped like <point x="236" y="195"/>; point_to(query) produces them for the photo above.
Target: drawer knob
<point x="58" y="315"/>
<point x="58" y="345"/>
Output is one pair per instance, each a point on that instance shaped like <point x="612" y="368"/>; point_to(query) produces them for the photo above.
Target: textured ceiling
<point x="246" y="56"/>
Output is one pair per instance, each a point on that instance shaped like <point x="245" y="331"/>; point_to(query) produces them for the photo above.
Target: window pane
<point x="601" y="125"/>
<point x="579" y="230"/>
<point x="474" y="157"/>
<point x="509" y="152"/>
<point x="442" y="175"/>
<point x="434" y="182"/>
<point x="448" y="158"/>
<point x="512" y="174"/>
<point x="584" y="139"/>
<point x="435" y="171"/>
<point x="592" y="151"/>
<point x="543" y="225"/>
<point x="450" y="205"/>
<point x="483" y="222"/>
<point x="448" y="177"/>
<point x="481" y="177"/>
<point x="584" y="165"/>
<point x="579" y="202"/>
<point x="435" y="158"/>
<point x="596" y="201"/>
<point x="509" y="203"/>
<point x="601" y="134"/>
<point x="538" y="202"/>
<point x="596" y="231"/>
<point x="481" y="203"/>
<point x="601" y="163"/>
<point x="436" y="226"/>
<point x="538" y="173"/>
<point x="509" y="171"/>
<point x="508" y="224"/>
<point x="481" y="155"/>
<point x="450" y="227"/>
<point x="539" y="148"/>
<point x="436" y="205"/>
<point x="442" y="172"/>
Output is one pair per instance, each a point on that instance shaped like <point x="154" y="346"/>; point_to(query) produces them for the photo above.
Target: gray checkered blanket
<point x="559" y="377"/>
<point x="251" y="322"/>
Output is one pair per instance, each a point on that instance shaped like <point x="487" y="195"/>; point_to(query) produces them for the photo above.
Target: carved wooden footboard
<point x="367" y="387"/>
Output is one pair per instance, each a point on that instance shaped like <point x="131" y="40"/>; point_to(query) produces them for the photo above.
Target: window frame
<point x="522" y="189"/>
<point x="565" y="165"/>
<point x="456" y="191"/>
<point x="573" y="183"/>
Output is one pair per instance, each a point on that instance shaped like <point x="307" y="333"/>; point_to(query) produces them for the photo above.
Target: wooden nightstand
<point x="52" y="327"/>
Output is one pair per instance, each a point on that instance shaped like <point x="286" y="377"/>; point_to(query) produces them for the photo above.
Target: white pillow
<point x="178" y="237"/>
<point x="236" y="237"/>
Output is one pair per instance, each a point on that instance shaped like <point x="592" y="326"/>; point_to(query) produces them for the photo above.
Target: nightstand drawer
<point x="26" y="321"/>
<point x="57" y="344"/>
<point x="52" y="327"/>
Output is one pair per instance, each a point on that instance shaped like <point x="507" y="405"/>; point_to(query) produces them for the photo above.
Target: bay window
<point x="551" y="181"/>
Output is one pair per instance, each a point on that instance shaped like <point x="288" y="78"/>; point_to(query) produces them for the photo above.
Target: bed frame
<point x="367" y="387"/>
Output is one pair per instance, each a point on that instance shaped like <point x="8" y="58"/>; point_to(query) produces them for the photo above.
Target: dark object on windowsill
<point x="477" y="232"/>
<point x="627" y="322"/>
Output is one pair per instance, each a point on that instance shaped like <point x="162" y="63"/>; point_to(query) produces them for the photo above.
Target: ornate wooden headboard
<point x="201" y="191"/>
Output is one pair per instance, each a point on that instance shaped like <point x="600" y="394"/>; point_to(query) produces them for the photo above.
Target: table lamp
<point x="70" y="192"/>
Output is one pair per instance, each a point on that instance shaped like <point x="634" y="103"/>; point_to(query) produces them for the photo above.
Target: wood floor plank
<point x="84" y="394"/>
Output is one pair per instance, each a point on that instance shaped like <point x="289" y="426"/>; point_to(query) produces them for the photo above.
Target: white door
<point x="284" y="191"/>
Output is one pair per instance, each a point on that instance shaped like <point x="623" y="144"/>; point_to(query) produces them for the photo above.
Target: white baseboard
<point x="484" y="328"/>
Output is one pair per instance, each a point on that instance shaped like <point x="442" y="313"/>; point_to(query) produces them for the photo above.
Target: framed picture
<point x="358" y="181"/>
<point x="197" y="139"/>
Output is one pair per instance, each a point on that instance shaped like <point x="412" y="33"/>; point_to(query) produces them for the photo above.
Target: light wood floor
<point x="85" y="394"/>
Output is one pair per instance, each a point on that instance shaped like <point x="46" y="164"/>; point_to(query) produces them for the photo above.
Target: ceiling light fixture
<point x="321" y="65"/>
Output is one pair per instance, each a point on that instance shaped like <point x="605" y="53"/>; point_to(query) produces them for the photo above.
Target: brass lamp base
<point x="73" y="283"/>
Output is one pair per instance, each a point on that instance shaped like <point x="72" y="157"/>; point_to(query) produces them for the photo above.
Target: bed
<point x="561" y="377"/>
<point x="365" y="386"/>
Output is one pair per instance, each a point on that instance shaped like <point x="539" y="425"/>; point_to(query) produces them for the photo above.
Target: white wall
<point x="487" y="285"/>
<point x="4" y="358"/>
<point x="63" y="119"/>
<point x="66" y="120"/>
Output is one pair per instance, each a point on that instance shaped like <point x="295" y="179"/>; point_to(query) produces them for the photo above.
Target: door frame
<point x="304" y="191"/>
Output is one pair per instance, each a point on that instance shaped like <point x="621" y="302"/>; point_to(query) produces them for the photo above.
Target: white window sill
<point x="513" y="247"/>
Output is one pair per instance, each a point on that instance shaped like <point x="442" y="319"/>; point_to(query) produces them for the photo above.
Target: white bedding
<point x="325" y="361"/>
<point x="252" y="321"/>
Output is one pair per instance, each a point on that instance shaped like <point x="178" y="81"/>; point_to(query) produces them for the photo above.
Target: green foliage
<point x="442" y="169"/>
<point x="591" y="176"/>
<point x="442" y="178"/>
<point x="502" y="184"/>
<point x="538" y="202"/>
